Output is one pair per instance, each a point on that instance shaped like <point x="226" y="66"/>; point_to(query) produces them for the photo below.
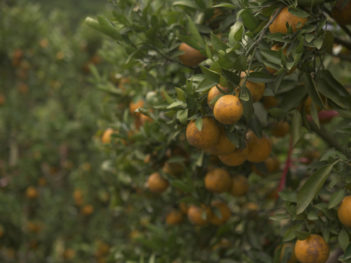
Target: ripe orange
<point x="224" y="213"/>
<point x="199" y="215"/>
<point x="191" y="57"/>
<point x="269" y="102"/>
<point x="156" y="183"/>
<point x="259" y="148"/>
<point x="228" y="109"/>
<point x="223" y="146"/>
<point x="272" y="164"/>
<point x="69" y="254"/>
<point x="78" y="197"/>
<point x="33" y="227"/>
<point x="214" y="93"/>
<point x="280" y="129"/>
<point x="31" y="192"/>
<point x="174" y="169"/>
<point x="283" y="18"/>
<point x="235" y="158"/>
<point x="344" y="211"/>
<point x="240" y="185"/>
<point x="87" y="210"/>
<point x="44" y="43"/>
<point x="217" y="180"/>
<point x="256" y="89"/>
<point x="284" y="250"/>
<point x="23" y="88"/>
<point x="174" y="217"/>
<point x="314" y="249"/>
<point x="106" y="137"/>
<point x="16" y="57"/>
<point x="144" y="119"/>
<point x="207" y="137"/>
<point x="342" y="12"/>
<point x="133" y="106"/>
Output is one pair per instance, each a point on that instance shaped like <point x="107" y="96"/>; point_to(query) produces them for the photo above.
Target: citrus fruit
<point x="240" y="185"/>
<point x="199" y="215"/>
<point x="174" y="217"/>
<point x="314" y="249"/>
<point x="133" y="106"/>
<point x="214" y="93"/>
<point x="207" y="137"/>
<point x="228" y="109"/>
<point x="283" y="18"/>
<point x="259" y="149"/>
<point x="31" y="192"/>
<point x="223" y="146"/>
<point x="256" y="89"/>
<point x="87" y="210"/>
<point x="106" y="137"/>
<point x="235" y="158"/>
<point x="217" y="180"/>
<point x="191" y="57"/>
<point x="222" y="213"/>
<point x="344" y="211"/>
<point x="280" y="129"/>
<point x="156" y="183"/>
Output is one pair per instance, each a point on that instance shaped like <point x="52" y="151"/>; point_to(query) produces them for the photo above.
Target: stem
<point x="333" y="258"/>
<point x="287" y="166"/>
<point x="323" y="134"/>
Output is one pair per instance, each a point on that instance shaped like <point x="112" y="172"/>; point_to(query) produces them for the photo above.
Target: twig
<point x="342" y="42"/>
<point x="333" y="258"/>
<point x="286" y="167"/>
<point x="329" y="139"/>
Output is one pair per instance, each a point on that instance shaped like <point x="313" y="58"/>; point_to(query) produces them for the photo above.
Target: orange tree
<point x="222" y="112"/>
<point x="53" y="196"/>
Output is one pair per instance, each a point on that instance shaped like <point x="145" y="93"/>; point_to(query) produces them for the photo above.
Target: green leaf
<point x="198" y="124"/>
<point x="336" y="198"/>
<point x="343" y="239"/>
<point x="312" y="186"/>
<point x="195" y="38"/>
<point x="249" y="20"/>
<point x="236" y="32"/>
<point x="176" y="104"/>
<point x="185" y="3"/>
<point x="310" y="86"/>
<point x="212" y="75"/>
<point x="296" y="128"/>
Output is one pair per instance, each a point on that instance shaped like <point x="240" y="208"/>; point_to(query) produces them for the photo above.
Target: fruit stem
<point x="287" y="166"/>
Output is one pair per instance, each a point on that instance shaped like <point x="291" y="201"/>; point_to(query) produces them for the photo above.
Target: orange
<point x="23" y="88"/>
<point x="240" y="185"/>
<point x="342" y="12"/>
<point x="174" y="217"/>
<point x="259" y="148"/>
<point x="228" y="109"/>
<point x="156" y="183"/>
<point x="144" y="119"/>
<point x="69" y="254"/>
<point x="314" y="249"/>
<point x="174" y="169"/>
<point x="283" y="18"/>
<point x="33" y="227"/>
<point x="191" y="57"/>
<point x="87" y="210"/>
<point x="272" y="164"/>
<point x="217" y="180"/>
<point x="251" y="206"/>
<point x="106" y="137"/>
<point x="269" y="102"/>
<point x="280" y="129"/>
<point x="284" y="250"/>
<point x="44" y="43"/>
<point x="133" y="106"/>
<point x="213" y="94"/>
<point x="31" y="192"/>
<point x="344" y="211"/>
<point x="223" y="211"/>
<point x="16" y="57"/>
<point x="223" y="146"/>
<point x="78" y="197"/>
<point x="235" y="158"/>
<point x="207" y="137"/>
<point x="42" y="181"/>
<point x="199" y="215"/>
<point x="256" y="89"/>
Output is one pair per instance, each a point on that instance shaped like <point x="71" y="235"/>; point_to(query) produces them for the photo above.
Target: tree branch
<point x="333" y="258"/>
